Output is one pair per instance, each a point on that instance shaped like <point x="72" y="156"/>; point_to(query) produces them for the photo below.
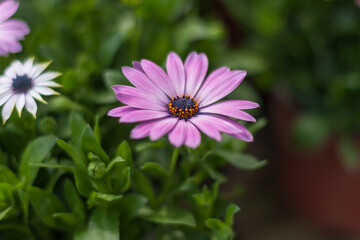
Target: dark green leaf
<point x="230" y="212"/>
<point x="74" y="200"/>
<point x="155" y="170"/>
<point x="90" y="144"/>
<point x="6" y="175"/>
<point x="124" y="151"/>
<point x="241" y="160"/>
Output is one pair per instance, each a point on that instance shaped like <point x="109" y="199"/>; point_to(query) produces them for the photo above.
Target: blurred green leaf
<point x="35" y="152"/>
<point x="348" y="153"/>
<point x="124" y="151"/>
<point x="74" y="200"/>
<point x="97" y="198"/>
<point x="241" y="160"/>
<point x="155" y="170"/>
<point x="143" y="185"/>
<point x="7" y="176"/>
<point x="230" y="212"/>
<point x="130" y="205"/>
<point x="90" y="144"/>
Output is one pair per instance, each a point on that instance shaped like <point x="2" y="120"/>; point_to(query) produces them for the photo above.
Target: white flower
<point x="21" y="83"/>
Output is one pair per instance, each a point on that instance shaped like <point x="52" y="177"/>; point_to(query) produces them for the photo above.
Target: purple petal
<point x="137" y="66"/>
<point x="176" y="72"/>
<point x="212" y="82"/>
<point x="230" y="126"/>
<point x="205" y="125"/>
<point x="219" y="108"/>
<point x="225" y="87"/>
<point x="178" y="135"/>
<point x="162" y="128"/>
<point x="143" y="129"/>
<point x="13" y="30"/>
<point x="7" y="9"/>
<point x="140" y="80"/>
<point x="195" y="67"/>
<point x="193" y="137"/>
<point x="135" y="97"/>
<point x="159" y="77"/>
<point x="120" y="111"/>
<point x="238" y="104"/>
<point x="142" y="115"/>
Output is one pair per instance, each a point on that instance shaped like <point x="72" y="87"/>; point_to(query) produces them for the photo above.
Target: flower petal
<point x="219" y="108"/>
<point x="45" y="90"/>
<point x="224" y="88"/>
<point x="137" y="66"/>
<point x="205" y="125"/>
<point x="20" y="103"/>
<point x="36" y="95"/>
<point x="193" y="137"/>
<point x="37" y="69"/>
<point x="7" y="9"/>
<point x="140" y="80"/>
<point x="195" y="67"/>
<point x="135" y="97"/>
<point x="212" y="82"/>
<point x="162" y="128"/>
<point x="176" y="72"/>
<point x="46" y="77"/>
<point x="159" y="77"/>
<point x="177" y="136"/>
<point x="48" y="84"/>
<point x="142" y="115"/>
<point x="120" y="111"/>
<point x="30" y="105"/>
<point x="237" y="104"/>
<point x="143" y="129"/>
<point x="9" y="107"/>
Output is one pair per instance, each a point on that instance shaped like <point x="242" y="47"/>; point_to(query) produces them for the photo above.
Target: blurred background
<point x="302" y="59"/>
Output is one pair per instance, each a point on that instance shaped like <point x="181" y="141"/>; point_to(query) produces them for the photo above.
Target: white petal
<point x="5" y="80"/>
<point x="36" y="95"/>
<point x="5" y="96"/>
<point x="28" y="65"/>
<point x="5" y="88"/>
<point x="19" y="68"/>
<point x="46" y="76"/>
<point x="10" y="71"/>
<point x="37" y="69"/>
<point x="45" y="90"/>
<point x="30" y="105"/>
<point x="20" y="103"/>
<point x="48" y="84"/>
<point x="8" y="108"/>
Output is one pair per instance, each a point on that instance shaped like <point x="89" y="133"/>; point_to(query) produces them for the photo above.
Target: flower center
<point x="21" y="83"/>
<point x="183" y="107"/>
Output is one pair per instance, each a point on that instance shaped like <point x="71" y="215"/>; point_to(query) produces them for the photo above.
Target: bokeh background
<point x="302" y="59"/>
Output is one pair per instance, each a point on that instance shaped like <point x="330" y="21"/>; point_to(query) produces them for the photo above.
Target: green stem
<point x="173" y="161"/>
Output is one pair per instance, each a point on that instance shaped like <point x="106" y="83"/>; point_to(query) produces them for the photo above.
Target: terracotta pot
<point x="315" y="185"/>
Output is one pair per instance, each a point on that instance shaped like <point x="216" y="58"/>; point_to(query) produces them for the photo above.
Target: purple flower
<point x="11" y="31"/>
<point x="182" y="102"/>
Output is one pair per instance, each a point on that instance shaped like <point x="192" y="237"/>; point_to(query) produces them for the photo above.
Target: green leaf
<point x="24" y="199"/>
<point x="348" y="153"/>
<point x="97" y="198"/>
<point x="46" y="204"/>
<point x="75" y="155"/>
<point x="6" y="175"/>
<point x="230" y="212"/>
<point x="241" y="160"/>
<point x="35" y="152"/>
<point x="124" y="151"/>
<point x="130" y="205"/>
<point x="143" y="185"/>
<point x="221" y="231"/>
<point x="78" y="126"/>
<point x="90" y="144"/>
<point x="171" y="216"/>
<point x="7" y="213"/>
<point x="82" y="183"/>
<point x="155" y="170"/>
<point x="6" y="195"/>
<point x="104" y="224"/>
<point x="97" y="129"/>
<point x="67" y="221"/>
<point x="74" y="200"/>
<point x="116" y="163"/>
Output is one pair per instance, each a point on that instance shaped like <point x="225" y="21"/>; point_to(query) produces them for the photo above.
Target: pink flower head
<point x="11" y="31"/>
<point x="182" y="102"/>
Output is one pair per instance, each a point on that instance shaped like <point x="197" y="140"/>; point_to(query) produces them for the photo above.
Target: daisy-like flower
<point x="21" y="83"/>
<point x="182" y="102"/>
<point x="11" y="31"/>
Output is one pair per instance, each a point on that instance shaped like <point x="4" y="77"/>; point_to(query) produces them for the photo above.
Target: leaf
<point x="74" y="200"/>
<point x="130" y="205"/>
<point x="46" y="204"/>
<point x="82" y="182"/>
<point x="75" y="155"/>
<point x="97" y="130"/>
<point x="97" y="198"/>
<point x="171" y="216"/>
<point x="104" y="224"/>
<point x="78" y="126"/>
<point x="67" y="221"/>
<point x="6" y="175"/>
<point x="221" y="231"/>
<point x="155" y="170"/>
<point x="143" y="185"/>
<point x="348" y="153"/>
<point x="24" y="199"/>
<point x="241" y="160"/>
<point x="7" y="212"/>
<point x="230" y="212"/>
<point x="35" y="152"/>
<point x="124" y="151"/>
<point x="90" y="144"/>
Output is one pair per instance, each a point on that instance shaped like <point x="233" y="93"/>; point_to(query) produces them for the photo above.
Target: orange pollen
<point x="183" y="107"/>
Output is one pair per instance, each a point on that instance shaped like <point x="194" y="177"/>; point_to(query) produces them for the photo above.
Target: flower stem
<point x="173" y="160"/>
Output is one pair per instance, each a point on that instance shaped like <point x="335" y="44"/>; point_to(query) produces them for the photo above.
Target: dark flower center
<point x="183" y="107"/>
<point x="21" y="83"/>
